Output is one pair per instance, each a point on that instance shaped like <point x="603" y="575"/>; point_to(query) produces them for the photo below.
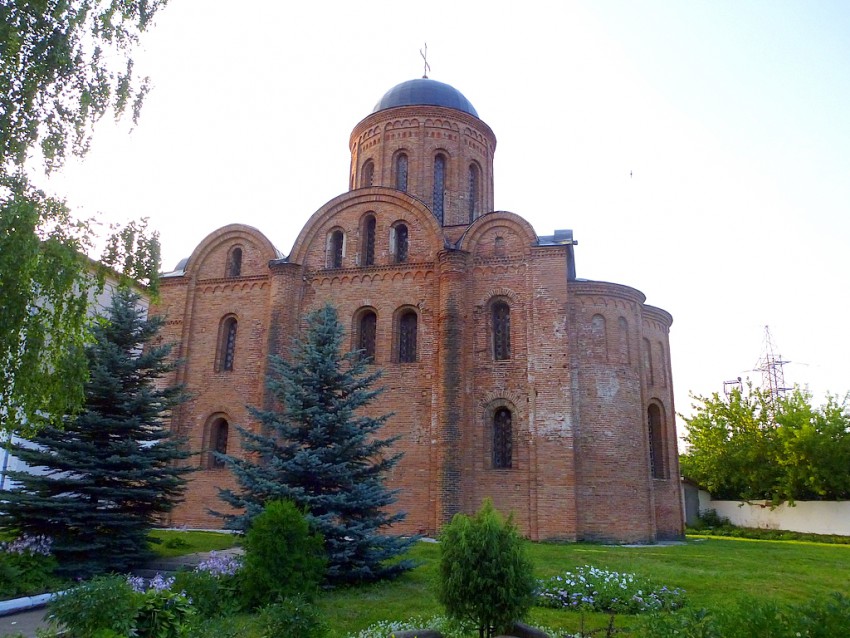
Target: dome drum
<point x="440" y="155"/>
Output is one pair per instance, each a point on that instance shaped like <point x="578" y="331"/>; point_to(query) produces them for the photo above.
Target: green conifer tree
<point x="111" y="471"/>
<point x="318" y="450"/>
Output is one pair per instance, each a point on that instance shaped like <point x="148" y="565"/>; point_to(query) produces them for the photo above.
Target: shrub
<point x="818" y="618"/>
<point x="485" y="577"/>
<point x="596" y="589"/>
<point x="26" y="566"/>
<point x="213" y="586"/>
<point x="163" y="613"/>
<point x="293" y="618"/>
<point x="117" y="606"/>
<point x="282" y="557"/>
<point x="105" y="603"/>
<point x="388" y="628"/>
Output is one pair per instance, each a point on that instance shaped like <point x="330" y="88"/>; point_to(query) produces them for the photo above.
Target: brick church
<point x="508" y="376"/>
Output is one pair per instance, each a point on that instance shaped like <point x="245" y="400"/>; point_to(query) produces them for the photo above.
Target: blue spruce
<point x="317" y="449"/>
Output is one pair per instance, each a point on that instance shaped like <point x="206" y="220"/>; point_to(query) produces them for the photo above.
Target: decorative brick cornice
<point x="605" y="289"/>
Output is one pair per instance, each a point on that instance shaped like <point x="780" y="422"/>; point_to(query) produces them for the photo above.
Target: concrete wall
<point x="815" y="517"/>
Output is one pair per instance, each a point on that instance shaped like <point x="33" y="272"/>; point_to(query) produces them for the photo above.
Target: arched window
<point x="226" y="345"/>
<point x="599" y="338"/>
<point x="401" y="172"/>
<point x="474" y="186"/>
<point x="234" y="263"/>
<point x="647" y="362"/>
<point x="439" y="185"/>
<point x="367" y="331"/>
<point x="502" y="439"/>
<point x="400" y="243"/>
<point x="219" y="431"/>
<point x="657" y="464"/>
<point x="336" y="243"/>
<point x="368" y="176"/>
<point x="369" y="240"/>
<point x="662" y="365"/>
<point x="407" y="326"/>
<point x="501" y="318"/>
<point x="623" y="349"/>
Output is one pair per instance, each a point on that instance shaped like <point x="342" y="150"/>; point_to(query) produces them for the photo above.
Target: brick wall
<point x="587" y="359"/>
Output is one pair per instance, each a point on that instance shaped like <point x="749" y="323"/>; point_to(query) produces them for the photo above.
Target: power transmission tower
<point x="771" y="367"/>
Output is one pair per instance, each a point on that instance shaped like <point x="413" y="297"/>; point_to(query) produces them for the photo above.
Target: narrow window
<point x="234" y="263"/>
<point x="401" y="243"/>
<point x="624" y="352"/>
<point x="368" y="331"/>
<point x="439" y="185"/>
<point x="656" y="443"/>
<point x="227" y="345"/>
<point x="499" y="247"/>
<point x="368" y="174"/>
<point x="662" y="365"/>
<point x="647" y="362"/>
<point x="335" y="250"/>
<point x="407" y="337"/>
<point x="599" y="337"/>
<point x="501" y="317"/>
<point x="502" y="439"/>
<point x="401" y="172"/>
<point x="218" y="438"/>
<point x="474" y="179"/>
<point x="369" y="241"/>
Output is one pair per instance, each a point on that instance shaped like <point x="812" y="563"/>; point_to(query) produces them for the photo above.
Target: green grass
<point x="178" y="543"/>
<point x="715" y="572"/>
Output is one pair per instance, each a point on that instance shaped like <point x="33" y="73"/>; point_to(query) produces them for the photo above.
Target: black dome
<point x="427" y="92"/>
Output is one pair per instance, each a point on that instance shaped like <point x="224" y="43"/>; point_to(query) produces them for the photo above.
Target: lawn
<point x="168" y="543"/>
<point x="715" y="573"/>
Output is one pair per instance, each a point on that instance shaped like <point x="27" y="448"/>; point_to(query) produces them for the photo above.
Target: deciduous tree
<point x="755" y="446"/>
<point x="63" y="65"/>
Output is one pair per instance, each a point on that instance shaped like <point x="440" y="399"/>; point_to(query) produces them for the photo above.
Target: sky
<point x="699" y="151"/>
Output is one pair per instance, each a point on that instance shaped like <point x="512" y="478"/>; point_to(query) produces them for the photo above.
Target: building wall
<point x="587" y="380"/>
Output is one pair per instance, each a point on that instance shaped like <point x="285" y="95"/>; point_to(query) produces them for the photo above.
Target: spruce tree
<point x="318" y="450"/>
<point x="110" y="472"/>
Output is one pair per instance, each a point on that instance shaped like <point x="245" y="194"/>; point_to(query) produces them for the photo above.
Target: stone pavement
<point x="21" y="618"/>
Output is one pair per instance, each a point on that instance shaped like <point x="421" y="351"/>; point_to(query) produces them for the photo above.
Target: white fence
<point x="814" y="517"/>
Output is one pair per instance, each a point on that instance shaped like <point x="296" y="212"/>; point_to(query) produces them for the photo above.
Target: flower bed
<point x="601" y="590"/>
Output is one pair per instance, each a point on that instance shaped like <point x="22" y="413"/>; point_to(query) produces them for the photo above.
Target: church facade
<point x="508" y="377"/>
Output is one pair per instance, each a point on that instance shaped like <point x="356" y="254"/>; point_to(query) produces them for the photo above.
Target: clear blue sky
<point x="700" y="151"/>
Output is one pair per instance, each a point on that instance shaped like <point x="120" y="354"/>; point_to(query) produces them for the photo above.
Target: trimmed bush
<point x="282" y="557"/>
<point x="485" y="578"/>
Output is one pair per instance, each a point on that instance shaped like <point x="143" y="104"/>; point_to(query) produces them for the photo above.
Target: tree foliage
<point x="318" y="450"/>
<point x="63" y="65"/>
<point x="110" y="473"/>
<point x="282" y="556"/>
<point x="752" y="446"/>
<point x="486" y="580"/>
<point x="45" y="284"/>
